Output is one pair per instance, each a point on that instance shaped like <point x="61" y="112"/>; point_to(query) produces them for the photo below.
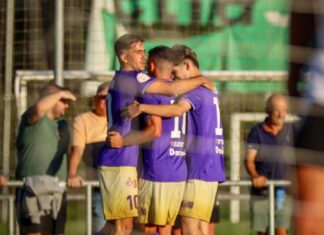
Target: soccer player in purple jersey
<point x="205" y="143"/>
<point x="164" y="173"/>
<point x="117" y="167"/>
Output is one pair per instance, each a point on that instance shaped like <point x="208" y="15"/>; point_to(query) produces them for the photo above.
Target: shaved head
<point x="277" y="109"/>
<point x="274" y="100"/>
<point x="162" y="57"/>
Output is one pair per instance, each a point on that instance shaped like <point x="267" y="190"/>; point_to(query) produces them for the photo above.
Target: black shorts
<point x="310" y="141"/>
<point x="215" y="217"/>
<point x="48" y="224"/>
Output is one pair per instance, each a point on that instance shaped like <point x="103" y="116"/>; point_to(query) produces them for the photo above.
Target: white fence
<point x="90" y="184"/>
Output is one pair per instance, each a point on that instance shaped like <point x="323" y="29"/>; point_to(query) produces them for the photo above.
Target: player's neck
<point x="127" y="68"/>
<point x="195" y="72"/>
<point x="165" y="76"/>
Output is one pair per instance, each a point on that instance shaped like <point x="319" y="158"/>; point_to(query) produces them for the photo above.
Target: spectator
<point x="265" y="160"/>
<point x="42" y="143"/>
<point x="88" y="137"/>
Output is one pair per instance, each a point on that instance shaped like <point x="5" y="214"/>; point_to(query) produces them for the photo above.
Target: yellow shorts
<point x="119" y="191"/>
<point x="159" y="202"/>
<point x="198" y="199"/>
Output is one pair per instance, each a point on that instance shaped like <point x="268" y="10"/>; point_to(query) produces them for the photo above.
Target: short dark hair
<point x="162" y="53"/>
<point x="124" y="42"/>
<point x="182" y="52"/>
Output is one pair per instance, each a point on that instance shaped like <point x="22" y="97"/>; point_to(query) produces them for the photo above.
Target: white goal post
<point x="23" y="76"/>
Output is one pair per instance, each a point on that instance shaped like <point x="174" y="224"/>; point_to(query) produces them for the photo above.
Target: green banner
<point x="249" y="37"/>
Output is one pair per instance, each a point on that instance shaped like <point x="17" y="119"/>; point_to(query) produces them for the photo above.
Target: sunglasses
<point x="65" y="101"/>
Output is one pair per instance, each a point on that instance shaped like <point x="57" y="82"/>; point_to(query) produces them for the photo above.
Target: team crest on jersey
<point x="142" y="77"/>
<point x="131" y="183"/>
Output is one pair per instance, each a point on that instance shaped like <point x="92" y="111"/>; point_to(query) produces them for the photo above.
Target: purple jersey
<point x="125" y="87"/>
<point x="164" y="157"/>
<point x="205" y="140"/>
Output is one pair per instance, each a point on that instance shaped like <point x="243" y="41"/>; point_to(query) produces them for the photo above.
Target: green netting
<point x="234" y="11"/>
<point x="181" y="10"/>
<point x="206" y="7"/>
<point x="260" y="45"/>
<point x="149" y="10"/>
<point x="255" y="87"/>
<point x="110" y="36"/>
<point x="257" y="45"/>
<point x="209" y="48"/>
<point x="127" y="6"/>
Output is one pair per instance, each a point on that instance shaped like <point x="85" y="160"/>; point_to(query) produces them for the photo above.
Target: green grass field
<point x="223" y="228"/>
<point x="76" y="223"/>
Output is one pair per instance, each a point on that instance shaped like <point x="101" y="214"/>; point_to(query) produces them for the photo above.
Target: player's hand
<point x="114" y="139"/>
<point x="3" y="181"/>
<point x="68" y="95"/>
<point x="259" y="181"/>
<point x="75" y="181"/>
<point x="131" y="111"/>
<point x="209" y="85"/>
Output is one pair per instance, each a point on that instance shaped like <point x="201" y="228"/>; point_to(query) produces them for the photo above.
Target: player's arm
<point x="163" y="110"/>
<point x="178" y="87"/>
<point x="74" y="180"/>
<point x="78" y="146"/>
<point x="46" y="103"/>
<point x="166" y="110"/>
<point x="152" y="130"/>
<point x="258" y="180"/>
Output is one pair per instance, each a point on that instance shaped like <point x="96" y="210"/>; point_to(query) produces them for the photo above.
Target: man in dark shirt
<point x="265" y="160"/>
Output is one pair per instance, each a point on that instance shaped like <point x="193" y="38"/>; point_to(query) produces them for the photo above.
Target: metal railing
<point x="90" y="184"/>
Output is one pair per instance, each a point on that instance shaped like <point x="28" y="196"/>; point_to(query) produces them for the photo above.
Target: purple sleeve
<point x="194" y="97"/>
<point x="143" y="82"/>
<point x="150" y="99"/>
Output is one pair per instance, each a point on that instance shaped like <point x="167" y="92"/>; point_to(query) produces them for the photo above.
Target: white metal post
<point x="271" y="209"/>
<point x="11" y="215"/>
<point x="59" y="42"/>
<point x="89" y="209"/>
<point x="7" y="98"/>
<point x="235" y="167"/>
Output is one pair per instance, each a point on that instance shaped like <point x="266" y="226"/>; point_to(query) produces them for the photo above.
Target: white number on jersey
<point x="176" y="133"/>
<point x="218" y="129"/>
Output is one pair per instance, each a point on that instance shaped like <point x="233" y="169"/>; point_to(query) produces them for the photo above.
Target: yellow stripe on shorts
<point x="198" y="199"/>
<point x="119" y="191"/>
<point x="159" y="202"/>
